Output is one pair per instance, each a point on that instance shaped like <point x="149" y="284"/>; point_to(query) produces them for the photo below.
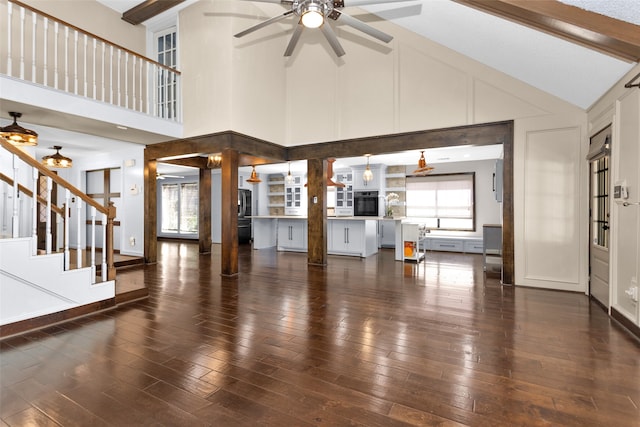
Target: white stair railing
<point x="85" y="64"/>
<point x="43" y="207"/>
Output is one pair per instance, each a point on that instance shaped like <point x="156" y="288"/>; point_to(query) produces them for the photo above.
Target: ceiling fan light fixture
<point x="312" y="17"/>
<point x="253" y="179"/>
<point x="57" y="160"/>
<point x="16" y="134"/>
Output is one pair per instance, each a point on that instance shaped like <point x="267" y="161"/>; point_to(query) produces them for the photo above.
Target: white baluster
<point x="104" y="247"/>
<point x="103" y="61"/>
<point x="45" y="52"/>
<point x="49" y="235"/>
<point x="67" y="221"/>
<point x="111" y="75"/>
<point x="126" y="79"/>
<point x="66" y="59"/>
<point x="33" y="46"/>
<point x="133" y="83"/>
<point x="84" y="66"/>
<point x="9" y="43"/>
<point x="56" y="32"/>
<point x="176" y="96"/>
<point x="93" y="244"/>
<point x="15" y="232"/>
<point x="119" y="88"/>
<point x="75" y="62"/>
<point x="21" y="43"/>
<point x="141" y="76"/>
<point x="34" y="213"/>
<point x="79" y="237"/>
<point x="151" y="85"/>
<point x="95" y="53"/>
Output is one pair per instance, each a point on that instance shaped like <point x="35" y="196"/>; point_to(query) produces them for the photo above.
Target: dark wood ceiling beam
<point x="147" y="10"/>
<point x="602" y="33"/>
<point x="193" y="162"/>
<point x="484" y="134"/>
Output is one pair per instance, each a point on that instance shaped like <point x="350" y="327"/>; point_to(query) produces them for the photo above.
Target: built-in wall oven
<point x="365" y="203"/>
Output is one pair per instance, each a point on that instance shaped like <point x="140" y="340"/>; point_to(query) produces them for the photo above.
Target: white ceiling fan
<point x="318" y="14"/>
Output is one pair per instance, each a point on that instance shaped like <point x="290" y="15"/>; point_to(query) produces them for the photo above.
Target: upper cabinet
<point x="359" y="184"/>
<point x="344" y="195"/>
<point x="294" y="197"/>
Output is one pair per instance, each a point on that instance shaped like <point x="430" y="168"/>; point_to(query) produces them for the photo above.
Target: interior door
<point x="599" y="217"/>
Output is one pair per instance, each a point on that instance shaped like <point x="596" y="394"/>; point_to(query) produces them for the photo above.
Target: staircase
<point x="43" y="286"/>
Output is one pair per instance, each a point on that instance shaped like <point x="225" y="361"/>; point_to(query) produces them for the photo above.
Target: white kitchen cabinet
<point x="344" y="195"/>
<point x="294" y="199"/>
<point x="352" y="237"/>
<point x="387" y="233"/>
<point x="292" y="235"/>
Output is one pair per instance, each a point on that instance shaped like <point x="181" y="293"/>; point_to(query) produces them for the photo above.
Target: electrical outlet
<point x="132" y="241"/>
<point x="632" y="292"/>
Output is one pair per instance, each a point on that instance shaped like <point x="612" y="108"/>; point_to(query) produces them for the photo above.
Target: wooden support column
<point x="151" y="210"/>
<point x="317" y="211"/>
<point x="229" y="213"/>
<point x="204" y="207"/>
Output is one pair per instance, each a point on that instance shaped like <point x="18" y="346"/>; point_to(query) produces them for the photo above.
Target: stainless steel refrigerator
<point x="244" y="216"/>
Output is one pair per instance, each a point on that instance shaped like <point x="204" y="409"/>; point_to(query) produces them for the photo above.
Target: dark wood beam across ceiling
<point x="147" y="10"/>
<point x="607" y="35"/>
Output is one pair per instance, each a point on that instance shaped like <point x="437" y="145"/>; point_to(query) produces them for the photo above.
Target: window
<point x="600" y="203"/>
<point x="179" y="208"/>
<point x="443" y="202"/>
<point x="167" y="50"/>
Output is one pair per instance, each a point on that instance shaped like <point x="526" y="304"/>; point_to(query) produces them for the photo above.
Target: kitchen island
<point x="351" y="236"/>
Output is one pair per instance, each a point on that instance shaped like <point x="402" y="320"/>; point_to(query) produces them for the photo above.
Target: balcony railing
<point x="44" y="50"/>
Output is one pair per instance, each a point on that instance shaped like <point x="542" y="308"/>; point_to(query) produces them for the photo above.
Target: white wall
<point x="411" y="84"/>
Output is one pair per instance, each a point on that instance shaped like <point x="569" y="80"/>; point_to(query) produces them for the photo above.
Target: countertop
<point x="351" y="218"/>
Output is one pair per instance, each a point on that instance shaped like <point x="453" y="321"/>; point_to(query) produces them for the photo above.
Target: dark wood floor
<point x="369" y="342"/>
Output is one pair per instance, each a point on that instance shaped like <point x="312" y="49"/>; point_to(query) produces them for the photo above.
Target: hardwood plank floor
<point x="363" y="342"/>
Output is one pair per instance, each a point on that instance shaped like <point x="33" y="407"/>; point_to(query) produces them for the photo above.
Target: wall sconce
<point x="18" y="135"/>
<point x="423" y="168"/>
<point x="289" y="178"/>
<point x="367" y="175"/>
<point x="253" y="179"/>
<point x="214" y="161"/>
<point x="57" y="160"/>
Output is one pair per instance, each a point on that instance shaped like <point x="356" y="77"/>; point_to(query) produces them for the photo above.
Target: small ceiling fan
<point x="164" y="176"/>
<point x="315" y="14"/>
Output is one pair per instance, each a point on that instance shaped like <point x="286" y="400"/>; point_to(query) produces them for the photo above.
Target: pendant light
<point x="18" y="135"/>
<point x="289" y="178"/>
<point x="367" y="175"/>
<point x="57" y="160"/>
<point x="423" y="168"/>
<point x="253" y="179"/>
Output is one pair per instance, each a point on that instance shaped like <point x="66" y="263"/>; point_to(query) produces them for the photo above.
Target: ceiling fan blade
<point x="332" y="39"/>
<point x="350" y="3"/>
<point x="264" y="24"/>
<point x="359" y="25"/>
<point x="287" y="2"/>
<point x="294" y="39"/>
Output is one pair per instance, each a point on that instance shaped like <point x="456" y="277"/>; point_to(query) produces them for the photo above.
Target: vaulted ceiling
<point x="573" y="49"/>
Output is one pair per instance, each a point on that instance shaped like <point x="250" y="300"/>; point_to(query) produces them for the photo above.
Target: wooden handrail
<point x="35" y="164"/>
<point x="60" y="21"/>
<point x="25" y="190"/>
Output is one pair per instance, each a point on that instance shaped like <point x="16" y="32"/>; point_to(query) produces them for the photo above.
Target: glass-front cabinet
<point x="344" y="195"/>
<point x="293" y="197"/>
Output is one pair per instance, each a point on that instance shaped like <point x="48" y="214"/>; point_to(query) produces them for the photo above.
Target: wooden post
<point x="317" y="211"/>
<point x="151" y="210"/>
<point x="229" y="211"/>
<point x="111" y="269"/>
<point x="204" y="207"/>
